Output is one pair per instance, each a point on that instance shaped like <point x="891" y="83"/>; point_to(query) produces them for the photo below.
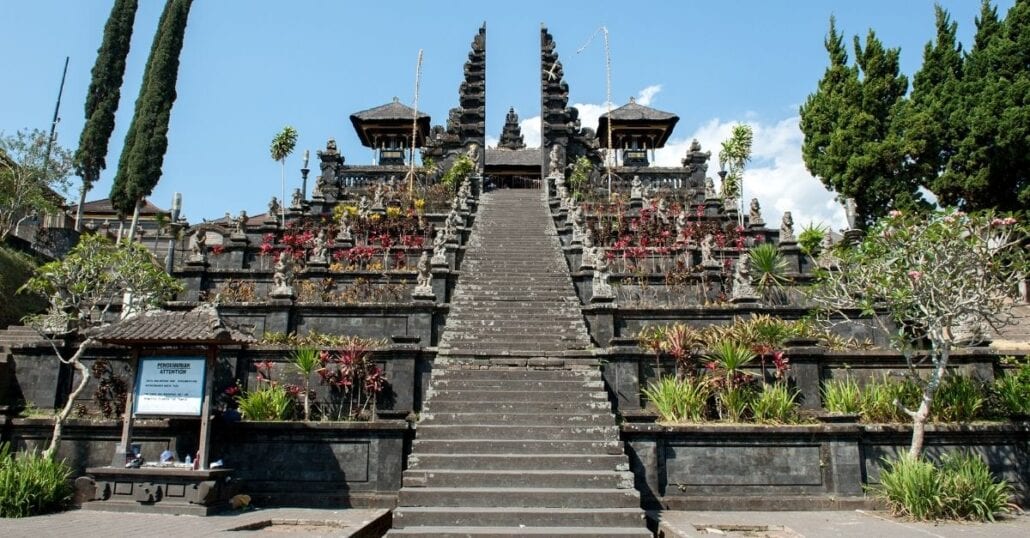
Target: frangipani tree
<point x="935" y="281"/>
<point x="93" y="278"/>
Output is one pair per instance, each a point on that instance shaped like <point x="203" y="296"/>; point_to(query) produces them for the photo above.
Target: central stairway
<point x="517" y="437"/>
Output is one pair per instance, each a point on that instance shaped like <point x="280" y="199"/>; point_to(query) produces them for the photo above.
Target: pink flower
<point x="915" y="275"/>
<point x="894" y="213"/>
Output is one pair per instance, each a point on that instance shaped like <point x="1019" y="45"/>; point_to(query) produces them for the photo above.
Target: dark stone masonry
<point x="506" y="324"/>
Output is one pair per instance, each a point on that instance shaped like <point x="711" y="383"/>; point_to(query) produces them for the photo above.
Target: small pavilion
<point x="388" y="130"/>
<point x="635" y="129"/>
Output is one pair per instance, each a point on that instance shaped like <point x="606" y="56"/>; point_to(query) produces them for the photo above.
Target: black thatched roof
<point x="202" y="325"/>
<point x="513" y="157"/>
<point x="392" y="116"/>
<point x="636" y="117"/>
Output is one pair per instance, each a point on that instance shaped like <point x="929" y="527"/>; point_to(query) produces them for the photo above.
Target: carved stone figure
<point x="636" y="189"/>
<point x="827" y="259"/>
<point x="377" y="198"/>
<point x="363" y="207"/>
<point x="661" y="211"/>
<point x="240" y="223"/>
<point x="681" y="225"/>
<point x="439" y="248"/>
<point x="344" y="235"/>
<point x="787" y="228"/>
<point x="589" y="258"/>
<point x="473" y="155"/>
<point x="275" y="209"/>
<point x="198" y="253"/>
<point x="710" y="193"/>
<point x="319" y="249"/>
<point x="282" y="278"/>
<point x="298" y="199"/>
<point x="743" y="290"/>
<point x="602" y="289"/>
<point x="755" y="213"/>
<point x="707" y="259"/>
<point x="556" y="161"/>
<point x="424" y="278"/>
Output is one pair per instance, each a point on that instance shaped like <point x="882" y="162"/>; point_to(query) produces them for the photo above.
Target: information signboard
<point x="170" y="385"/>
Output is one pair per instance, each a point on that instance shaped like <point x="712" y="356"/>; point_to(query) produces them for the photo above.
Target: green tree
<point x="139" y="167"/>
<point x="102" y="98"/>
<point x="29" y="182"/>
<point x="991" y="164"/>
<point x="936" y="279"/>
<point x="82" y="289"/>
<point x="932" y="122"/>
<point x="851" y="128"/>
<point x="281" y="148"/>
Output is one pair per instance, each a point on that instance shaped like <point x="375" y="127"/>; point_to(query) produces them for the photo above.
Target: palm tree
<point x="282" y="147"/>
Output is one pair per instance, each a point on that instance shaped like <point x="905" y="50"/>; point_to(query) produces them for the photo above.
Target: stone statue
<point x="319" y="249"/>
<point x="681" y="225"/>
<point x="282" y="278"/>
<point x="602" y="288"/>
<point x="787" y="228"/>
<point x="851" y="213"/>
<point x="439" y="248"/>
<point x="662" y="212"/>
<point x="556" y="161"/>
<point x="298" y="199"/>
<point x="710" y="193"/>
<point x="755" y="213"/>
<point x="344" y="234"/>
<point x="424" y="278"/>
<point x="636" y="189"/>
<point x="827" y="259"/>
<point x="377" y="198"/>
<point x="363" y="207"/>
<point x="274" y="208"/>
<point x="198" y="253"/>
<point x="241" y="223"/>
<point x="707" y="259"/>
<point x="743" y="291"/>
<point x="473" y="155"/>
<point x="589" y="258"/>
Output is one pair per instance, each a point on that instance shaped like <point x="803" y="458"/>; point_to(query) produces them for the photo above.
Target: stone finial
<point x="743" y="291"/>
<point x="755" y="214"/>
<point x="424" y="279"/>
<point x="787" y="228"/>
<point x="851" y="213"/>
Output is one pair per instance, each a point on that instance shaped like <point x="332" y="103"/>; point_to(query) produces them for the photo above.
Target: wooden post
<point x="205" y="409"/>
<point x="127" y="416"/>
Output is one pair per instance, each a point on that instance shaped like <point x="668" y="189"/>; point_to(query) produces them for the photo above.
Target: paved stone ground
<point x="856" y="524"/>
<point x="287" y="521"/>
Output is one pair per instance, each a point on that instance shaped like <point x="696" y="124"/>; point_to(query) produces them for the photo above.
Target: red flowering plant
<point x="353" y="378"/>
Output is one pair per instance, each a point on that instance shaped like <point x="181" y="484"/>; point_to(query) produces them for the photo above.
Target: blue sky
<point x="250" y="67"/>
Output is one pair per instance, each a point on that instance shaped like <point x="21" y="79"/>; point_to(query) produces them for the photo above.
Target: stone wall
<point x="806" y="467"/>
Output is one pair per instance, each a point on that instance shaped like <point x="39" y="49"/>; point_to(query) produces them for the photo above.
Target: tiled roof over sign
<point x="202" y="325"/>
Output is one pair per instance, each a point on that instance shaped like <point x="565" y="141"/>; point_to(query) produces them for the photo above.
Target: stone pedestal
<point x="792" y="255"/>
<point x="713" y="206"/>
<point x="236" y="250"/>
<point x="440" y="275"/>
<point x="277" y="320"/>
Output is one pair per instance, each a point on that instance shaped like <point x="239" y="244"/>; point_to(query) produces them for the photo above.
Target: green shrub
<point x="15" y="270"/>
<point x="962" y="487"/>
<point x="970" y="490"/>
<point x="911" y="487"/>
<point x="880" y="400"/>
<point x="268" y="402"/>
<point x="1012" y="390"/>
<point x="32" y="484"/>
<point x="775" y="404"/>
<point x="959" y="399"/>
<point x="734" y="402"/>
<point x="679" y="400"/>
<point x="842" y="396"/>
<point x="811" y="237"/>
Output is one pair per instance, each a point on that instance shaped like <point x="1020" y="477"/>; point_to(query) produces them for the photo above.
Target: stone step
<point x="601" y="419"/>
<point x="522" y="446"/>
<point x="516" y="384"/>
<point x="463" y="478"/>
<point x="577" y="374"/>
<point x="472" y="340"/>
<point x="514" y="462"/>
<point x="499" y="396"/>
<point x="491" y="532"/>
<point x="521" y="497"/>
<point x="518" y="431"/>
<point x="519" y="324"/>
<point x="472" y="517"/>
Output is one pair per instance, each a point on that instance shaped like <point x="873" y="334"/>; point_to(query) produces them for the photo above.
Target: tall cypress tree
<point x="139" y="168"/>
<point x="991" y="167"/>
<point x="851" y="127"/>
<point x="102" y="98"/>
<point x="933" y="121"/>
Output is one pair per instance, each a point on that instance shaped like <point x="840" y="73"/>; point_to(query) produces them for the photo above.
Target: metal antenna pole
<point x="56" y="120"/>
<point x="608" y="99"/>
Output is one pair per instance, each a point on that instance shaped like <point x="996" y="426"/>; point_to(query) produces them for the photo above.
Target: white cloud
<point x="531" y="131"/>
<point x="492" y="141"/>
<point x="646" y="96"/>
<point x="776" y="175"/>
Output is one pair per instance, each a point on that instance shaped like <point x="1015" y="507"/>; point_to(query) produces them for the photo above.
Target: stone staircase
<point x="505" y="450"/>
<point x="515" y="296"/>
